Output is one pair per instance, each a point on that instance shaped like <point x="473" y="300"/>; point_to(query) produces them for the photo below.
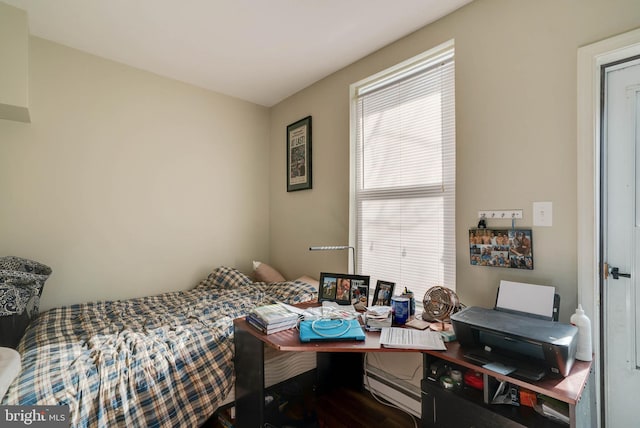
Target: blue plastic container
<point x="400" y="308"/>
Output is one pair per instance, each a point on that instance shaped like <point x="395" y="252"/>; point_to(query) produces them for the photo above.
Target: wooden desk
<point x="338" y="364"/>
<point x="332" y="357"/>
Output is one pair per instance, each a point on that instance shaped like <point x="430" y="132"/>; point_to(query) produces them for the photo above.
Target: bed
<point x="164" y="360"/>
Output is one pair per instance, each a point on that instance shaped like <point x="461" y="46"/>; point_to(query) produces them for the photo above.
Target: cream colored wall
<point x="14" y="60"/>
<point x="130" y="184"/>
<point x="516" y="137"/>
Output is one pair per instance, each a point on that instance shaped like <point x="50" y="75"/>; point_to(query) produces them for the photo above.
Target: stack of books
<point x="377" y="317"/>
<point x="272" y="318"/>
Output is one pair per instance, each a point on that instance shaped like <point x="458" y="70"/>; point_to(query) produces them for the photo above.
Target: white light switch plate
<point x="542" y="214"/>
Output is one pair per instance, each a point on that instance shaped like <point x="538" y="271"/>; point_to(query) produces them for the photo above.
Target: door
<point x="621" y="242"/>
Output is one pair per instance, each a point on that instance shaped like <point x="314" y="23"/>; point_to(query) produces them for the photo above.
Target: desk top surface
<point x="567" y="389"/>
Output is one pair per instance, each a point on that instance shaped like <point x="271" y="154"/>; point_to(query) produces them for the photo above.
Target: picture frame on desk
<point x="383" y="293"/>
<point x="344" y="289"/>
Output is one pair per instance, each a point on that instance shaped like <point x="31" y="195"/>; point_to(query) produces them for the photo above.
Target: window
<point x="403" y="173"/>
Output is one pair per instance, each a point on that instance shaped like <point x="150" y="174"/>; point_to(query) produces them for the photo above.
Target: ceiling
<point x="261" y="51"/>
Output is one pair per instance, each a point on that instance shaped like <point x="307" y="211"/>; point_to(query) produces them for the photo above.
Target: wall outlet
<point x="542" y="214"/>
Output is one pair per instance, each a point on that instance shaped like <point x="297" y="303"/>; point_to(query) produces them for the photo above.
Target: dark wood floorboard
<point x="342" y="408"/>
<point x="346" y="408"/>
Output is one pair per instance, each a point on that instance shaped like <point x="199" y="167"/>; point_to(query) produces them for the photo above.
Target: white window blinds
<point x="404" y="190"/>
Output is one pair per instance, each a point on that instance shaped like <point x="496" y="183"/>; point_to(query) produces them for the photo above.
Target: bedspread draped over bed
<point x="164" y="360"/>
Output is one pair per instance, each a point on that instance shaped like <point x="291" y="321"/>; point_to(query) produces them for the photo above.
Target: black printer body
<point x="533" y="346"/>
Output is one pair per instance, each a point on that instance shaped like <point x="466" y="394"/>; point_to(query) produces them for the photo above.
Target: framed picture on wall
<point x="299" y="155"/>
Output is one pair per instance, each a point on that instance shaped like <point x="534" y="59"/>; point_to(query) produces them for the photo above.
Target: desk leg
<point x="249" y="368"/>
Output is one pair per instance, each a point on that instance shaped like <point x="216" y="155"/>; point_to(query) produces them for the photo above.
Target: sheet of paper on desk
<point x="530" y="298"/>
<point x="408" y="338"/>
<point x="335" y="310"/>
<point x="304" y="313"/>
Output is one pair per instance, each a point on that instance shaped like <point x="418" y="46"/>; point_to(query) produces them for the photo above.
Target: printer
<point x="529" y="344"/>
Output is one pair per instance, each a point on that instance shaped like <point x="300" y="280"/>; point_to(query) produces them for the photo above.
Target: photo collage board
<point x="506" y="248"/>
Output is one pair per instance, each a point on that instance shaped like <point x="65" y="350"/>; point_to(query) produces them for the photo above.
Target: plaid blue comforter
<point x="155" y="361"/>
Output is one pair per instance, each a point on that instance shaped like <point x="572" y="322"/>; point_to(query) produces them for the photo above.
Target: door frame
<point x="589" y="91"/>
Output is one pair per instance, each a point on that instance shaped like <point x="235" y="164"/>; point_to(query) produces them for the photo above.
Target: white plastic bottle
<point x="584" y="350"/>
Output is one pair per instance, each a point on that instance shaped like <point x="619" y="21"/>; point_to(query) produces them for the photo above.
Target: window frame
<point x="414" y="65"/>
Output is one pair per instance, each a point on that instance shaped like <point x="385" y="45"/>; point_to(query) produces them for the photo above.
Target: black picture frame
<point x="299" y="165"/>
<point x="344" y="289"/>
<point x="384" y="292"/>
<point x="501" y="247"/>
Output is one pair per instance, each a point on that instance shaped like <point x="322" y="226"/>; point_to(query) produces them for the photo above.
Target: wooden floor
<point x="347" y="408"/>
<point x="342" y="408"/>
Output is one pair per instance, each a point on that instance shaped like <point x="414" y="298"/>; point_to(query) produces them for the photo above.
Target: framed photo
<point x="343" y="288"/>
<point x="506" y="248"/>
<point x="299" y="155"/>
<point x="383" y="293"/>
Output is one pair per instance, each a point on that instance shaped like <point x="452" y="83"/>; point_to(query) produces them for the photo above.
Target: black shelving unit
<point x="464" y="406"/>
